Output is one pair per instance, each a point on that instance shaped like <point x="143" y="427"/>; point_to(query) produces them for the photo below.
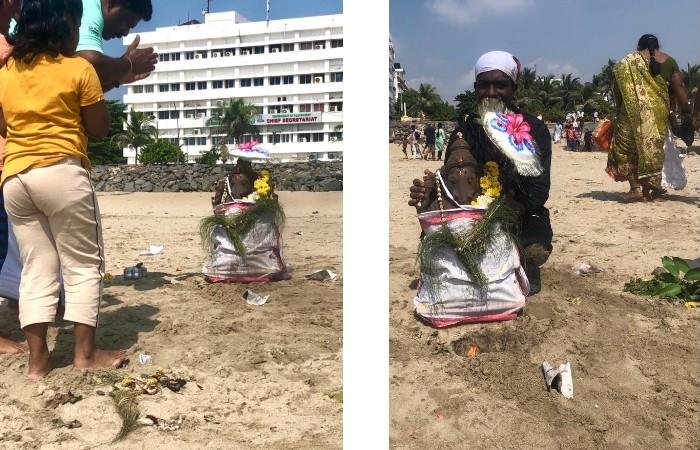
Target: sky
<point x="171" y="12"/>
<point x="438" y="41"/>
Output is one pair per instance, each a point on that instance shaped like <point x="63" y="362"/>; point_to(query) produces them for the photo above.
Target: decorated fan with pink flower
<point x="511" y="134"/>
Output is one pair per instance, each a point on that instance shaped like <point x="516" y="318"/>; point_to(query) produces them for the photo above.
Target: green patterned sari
<point x="641" y="125"/>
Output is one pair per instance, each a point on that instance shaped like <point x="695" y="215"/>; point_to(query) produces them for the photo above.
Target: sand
<point x="634" y="359"/>
<point x="259" y="377"/>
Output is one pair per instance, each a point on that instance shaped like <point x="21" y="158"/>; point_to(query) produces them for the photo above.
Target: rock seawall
<point x="297" y="176"/>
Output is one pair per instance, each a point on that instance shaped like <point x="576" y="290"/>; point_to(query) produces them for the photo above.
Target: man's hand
<point x="420" y="188"/>
<point x="143" y="60"/>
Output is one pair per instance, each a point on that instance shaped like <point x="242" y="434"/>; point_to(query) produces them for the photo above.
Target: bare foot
<point x="10" y="347"/>
<point x="39" y="365"/>
<point x="102" y="359"/>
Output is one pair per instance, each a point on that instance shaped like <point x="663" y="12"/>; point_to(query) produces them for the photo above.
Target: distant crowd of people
<point x="432" y="138"/>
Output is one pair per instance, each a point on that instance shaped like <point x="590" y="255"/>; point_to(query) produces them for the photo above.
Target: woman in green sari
<point x="645" y="80"/>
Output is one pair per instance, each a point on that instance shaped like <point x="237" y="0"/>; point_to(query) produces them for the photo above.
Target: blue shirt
<point x="91" y="26"/>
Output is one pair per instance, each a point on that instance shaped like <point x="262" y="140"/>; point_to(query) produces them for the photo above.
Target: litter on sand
<point x="322" y="275"/>
<point x="584" y="269"/>
<point x="254" y="299"/>
<point x="145" y="358"/>
<point x="559" y="378"/>
<point x="152" y="250"/>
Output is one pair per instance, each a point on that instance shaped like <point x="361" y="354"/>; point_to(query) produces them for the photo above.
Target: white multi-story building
<point x="290" y="69"/>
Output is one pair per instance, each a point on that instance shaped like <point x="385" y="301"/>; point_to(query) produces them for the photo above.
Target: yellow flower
<point x="493" y="193"/>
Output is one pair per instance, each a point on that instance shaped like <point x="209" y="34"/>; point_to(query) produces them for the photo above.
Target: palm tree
<point x="691" y="78"/>
<point x="527" y="79"/>
<point x="235" y="119"/>
<point x="604" y="80"/>
<point x="569" y="90"/>
<point x="140" y="130"/>
<point x="428" y="98"/>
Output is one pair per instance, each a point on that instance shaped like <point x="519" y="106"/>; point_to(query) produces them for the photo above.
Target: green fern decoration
<point x="238" y="225"/>
<point x="471" y="245"/>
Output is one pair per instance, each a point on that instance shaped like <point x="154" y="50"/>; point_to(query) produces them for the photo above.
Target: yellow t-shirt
<point x="41" y="103"/>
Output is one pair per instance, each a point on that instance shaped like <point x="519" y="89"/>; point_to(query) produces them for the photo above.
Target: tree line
<point x="548" y="95"/>
<point x="137" y="130"/>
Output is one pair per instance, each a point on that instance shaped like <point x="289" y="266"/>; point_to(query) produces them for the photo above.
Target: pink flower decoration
<point x="518" y="128"/>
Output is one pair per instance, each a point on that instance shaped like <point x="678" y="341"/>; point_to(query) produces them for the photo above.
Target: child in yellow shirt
<point x="51" y="101"/>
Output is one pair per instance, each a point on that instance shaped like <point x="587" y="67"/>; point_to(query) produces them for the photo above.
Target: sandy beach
<point x="634" y="359"/>
<point x="258" y="376"/>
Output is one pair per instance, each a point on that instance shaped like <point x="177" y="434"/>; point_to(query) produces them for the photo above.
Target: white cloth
<point x="673" y="174"/>
<point x="498" y="60"/>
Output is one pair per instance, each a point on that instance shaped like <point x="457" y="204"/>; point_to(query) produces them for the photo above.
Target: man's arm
<point x="135" y="64"/>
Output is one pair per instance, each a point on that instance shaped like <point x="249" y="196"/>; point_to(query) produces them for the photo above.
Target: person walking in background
<point x="557" y="131"/>
<point x="404" y="144"/>
<point x="429" y="149"/>
<point x="440" y="141"/>
<point x="51" y="100"/>
<point x="643" y="80"/>
<point x="413" y="138"/>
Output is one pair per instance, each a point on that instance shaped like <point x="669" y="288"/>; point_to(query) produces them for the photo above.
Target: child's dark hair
<point x="651" y="43"/>
<point x="45" y="26"/>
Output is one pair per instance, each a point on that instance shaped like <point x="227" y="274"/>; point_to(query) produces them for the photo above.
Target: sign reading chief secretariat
<point x="284" y="118"/>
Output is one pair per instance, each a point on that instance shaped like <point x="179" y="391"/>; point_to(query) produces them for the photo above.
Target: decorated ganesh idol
<point x="470" y="265"/>
<point x="242" y="239"/>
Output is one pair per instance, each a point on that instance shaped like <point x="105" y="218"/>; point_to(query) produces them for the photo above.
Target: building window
<point x="230" y="84"/>
<point x="288" y="79"/>
<point x="316" y="137"/>
<point x="274" y="81"/>
<point x="230" y="52"/>
<point x="246" y="82"/>
<point x="175" y="57"/>
<point x="319" y="78"/>
<point x="148" y="89"/>
<point x="201" y="85"/>
<point x="306" y="45"/>
<point x="318" y="107"/>
<point x="258" y="81"/>
<point x="287" y="47"/>
<point x="258" y="49"/>
<point x="163" y="87"/>
<point x="305" y="108"/>
<point x="202" y="54"/>
<point x="305" y="79"/>
<point x="336" y="77"/>
<point x="190" y="86"/>
<point x="286" y="138"/>
<point x="246" y="50"/>
<point x="189" y="141"/>
<point x="217" y="84"/>
<point x="287" y="108"/>
<point x="201" y="141"/>
<point x="337" y="136"/>
<point x="304" y="137"/>
<point x="274" y="109"/>
<point x="164" y="57"/>
<point x="335" y="43"/>
<point x="137" y="89"/>
<point x="175" y="86"/>
<point x="163" y="115"/>
<point x="175" y="114"/>
<point x="217" y="53"/>
<point x="275" y="48"/>
<point x="319" y="45"/>
<point x="189" y="55"/>
<point x="335" y="106"/>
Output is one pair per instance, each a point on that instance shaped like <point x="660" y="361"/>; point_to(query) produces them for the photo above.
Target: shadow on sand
<point x="617" y="197"/>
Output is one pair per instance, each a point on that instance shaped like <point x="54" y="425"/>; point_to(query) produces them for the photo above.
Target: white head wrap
<point x="498" y="60"/>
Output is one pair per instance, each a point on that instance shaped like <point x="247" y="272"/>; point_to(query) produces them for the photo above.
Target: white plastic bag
<point x="673" y="174"/>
